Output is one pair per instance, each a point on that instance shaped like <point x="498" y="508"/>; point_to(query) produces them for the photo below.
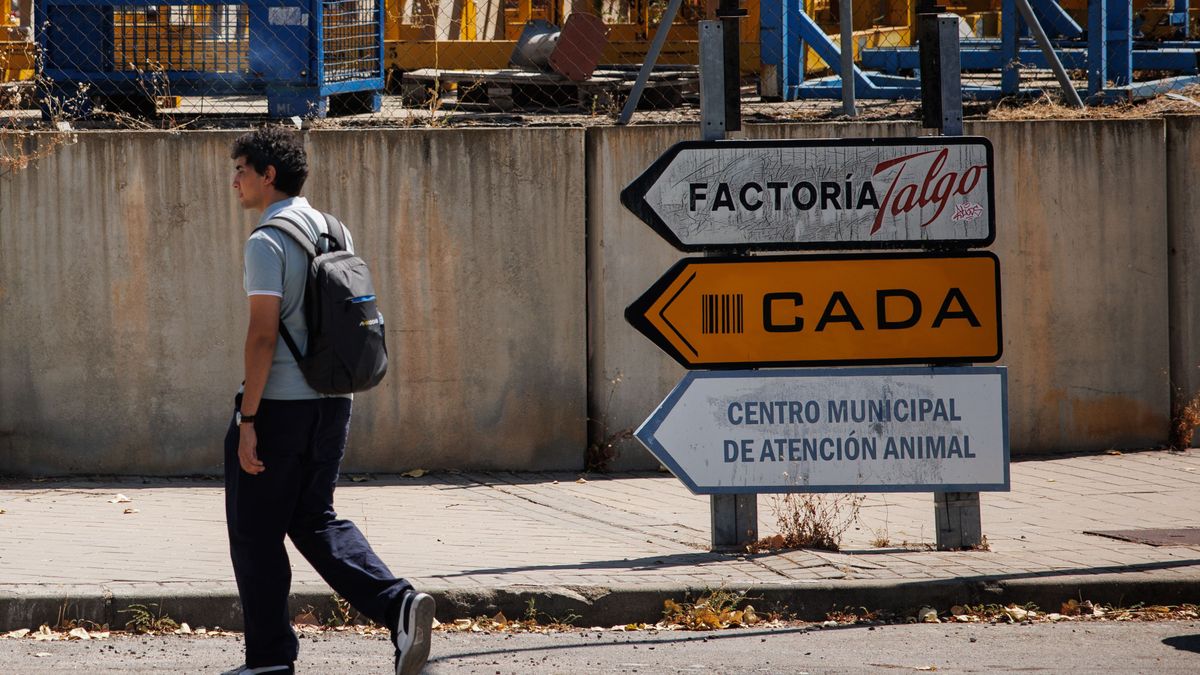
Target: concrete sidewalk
<point x="609" y="548"/>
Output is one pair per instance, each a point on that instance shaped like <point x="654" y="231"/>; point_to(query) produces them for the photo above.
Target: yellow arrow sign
<point x="827" y="310"/>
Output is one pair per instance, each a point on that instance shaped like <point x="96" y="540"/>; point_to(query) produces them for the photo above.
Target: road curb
<point x="216" y="605"/>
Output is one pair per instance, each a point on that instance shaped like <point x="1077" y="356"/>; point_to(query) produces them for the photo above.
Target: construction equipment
<point x="317" y="58"/>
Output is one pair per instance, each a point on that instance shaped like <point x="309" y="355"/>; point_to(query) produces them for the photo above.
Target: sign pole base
<point x="734" y="521"/>
<point x="959" y="524"/>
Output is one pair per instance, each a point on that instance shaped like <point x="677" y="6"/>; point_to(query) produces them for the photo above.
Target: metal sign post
<point x="959" y="523"/>
<point x="734" y="516"/>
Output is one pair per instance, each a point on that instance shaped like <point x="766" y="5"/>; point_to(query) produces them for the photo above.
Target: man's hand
<point x="248" y="450"/>
<point x="261" y="336"/>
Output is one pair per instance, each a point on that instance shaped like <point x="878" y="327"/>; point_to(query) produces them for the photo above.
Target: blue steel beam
<point x="1097" y="46"/>
<point x="780" y="45"/>
<point x="1119" y="35"/>
<point x="820" y="43"/>
<point x="1010" y="74"/>
<point x="894" y="60"/>
<point x="1055" y="20"/>
<point x="831" y="87"/>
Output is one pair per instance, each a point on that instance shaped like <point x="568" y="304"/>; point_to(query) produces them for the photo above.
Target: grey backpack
<point x="346" y="347"/>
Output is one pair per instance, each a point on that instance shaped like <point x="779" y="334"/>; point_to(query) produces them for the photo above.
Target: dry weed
<point x="1184" y="422"/>
<point x="807" y="520"/>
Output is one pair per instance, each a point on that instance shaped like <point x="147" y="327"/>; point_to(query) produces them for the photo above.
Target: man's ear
<point x="269" y="174"/>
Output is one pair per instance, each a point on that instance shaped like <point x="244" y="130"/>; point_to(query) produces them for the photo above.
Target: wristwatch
<point x="242" y="419"/>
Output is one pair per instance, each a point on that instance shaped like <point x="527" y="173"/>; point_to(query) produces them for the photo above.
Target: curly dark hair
<point x="275" y="146"/>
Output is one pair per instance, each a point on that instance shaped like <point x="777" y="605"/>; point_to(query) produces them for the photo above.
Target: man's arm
<point x="261" y="337"/>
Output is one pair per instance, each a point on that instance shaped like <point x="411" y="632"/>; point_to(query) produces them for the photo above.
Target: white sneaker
<point x="286" y="669"/>
<point x="414" y="632"/>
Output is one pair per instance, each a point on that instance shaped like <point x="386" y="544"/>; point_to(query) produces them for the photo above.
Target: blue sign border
<point x="645" y="432"/>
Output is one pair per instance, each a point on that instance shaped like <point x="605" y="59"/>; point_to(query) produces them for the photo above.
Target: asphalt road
<point x="1124" y="647"/>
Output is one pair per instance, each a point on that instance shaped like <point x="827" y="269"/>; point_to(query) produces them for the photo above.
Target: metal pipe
<point x="847" y="49"/>
<point x="1056" y="65"/>
<point x="660" y="37"/>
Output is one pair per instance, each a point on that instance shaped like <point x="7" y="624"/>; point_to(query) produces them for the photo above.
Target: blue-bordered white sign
<point x="898" y="429"/>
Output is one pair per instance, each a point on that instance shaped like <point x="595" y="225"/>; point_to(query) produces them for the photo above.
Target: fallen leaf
<point x="128" y="511"/>
<point x="415" y="473"/>
<point x="1070" y="607"/>
<point x="43" y="654"/>
<point x="120" y="499"/>
<point x="17" y="634"/>
<point x="79" y="634"/>
<point x="183" y="629"/>
<point x="305" y="619"/>
<point x="436" y="623"/>
<point x="553" y="483"/>
<point x="581" y="479"/>
<point x="100" y="636"/>
<point x="358" y="479"/>
<point x="2" y="512"/>
<point x="958" y="610"/>
<point x="927" y="615"/>
<point x="1016" y="613"/>
<point x="44" y="633"/>
<point x="1113" y="452"/>
<point x="928" y="668"/>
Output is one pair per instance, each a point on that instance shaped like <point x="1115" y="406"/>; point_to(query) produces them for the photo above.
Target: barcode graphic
<point x="721" y="313"/>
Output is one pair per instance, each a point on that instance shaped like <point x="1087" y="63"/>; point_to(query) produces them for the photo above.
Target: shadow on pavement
<point x="694" y="636"/>
<point x="690" y="559"/>
<point x="1186" y="643"/>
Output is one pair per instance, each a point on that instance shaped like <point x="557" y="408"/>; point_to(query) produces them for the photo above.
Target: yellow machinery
<point x="481" y="34"/>
<point x="16" y="49"/>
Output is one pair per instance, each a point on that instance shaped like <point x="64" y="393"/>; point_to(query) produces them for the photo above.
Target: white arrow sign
<point x="819" y="194"/>
<point x="843" y="430"/>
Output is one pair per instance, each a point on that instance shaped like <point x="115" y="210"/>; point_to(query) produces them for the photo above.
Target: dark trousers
<point x="301" y="444"/>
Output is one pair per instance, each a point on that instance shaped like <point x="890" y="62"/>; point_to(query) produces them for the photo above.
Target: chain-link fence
<point x="439" y="61"/>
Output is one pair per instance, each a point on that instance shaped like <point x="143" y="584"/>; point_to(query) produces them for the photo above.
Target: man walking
<point x="286" y="441"/>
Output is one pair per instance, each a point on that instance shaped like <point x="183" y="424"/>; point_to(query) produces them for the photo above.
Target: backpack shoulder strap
<point x="337" y="231"/>
<point x="293" y="230"/>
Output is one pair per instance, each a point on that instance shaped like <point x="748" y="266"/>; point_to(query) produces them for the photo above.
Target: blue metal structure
<point x="310" y="58"/>
<point x="786" y="28"/>
<point x="1109" y="50"/>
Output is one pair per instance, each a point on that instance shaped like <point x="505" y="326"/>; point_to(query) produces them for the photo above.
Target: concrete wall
<point x="1183" y="203"/>
<point x="505" y="261"/>
<point x="1081" y="236"/>
<point x="122" y="314"/>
